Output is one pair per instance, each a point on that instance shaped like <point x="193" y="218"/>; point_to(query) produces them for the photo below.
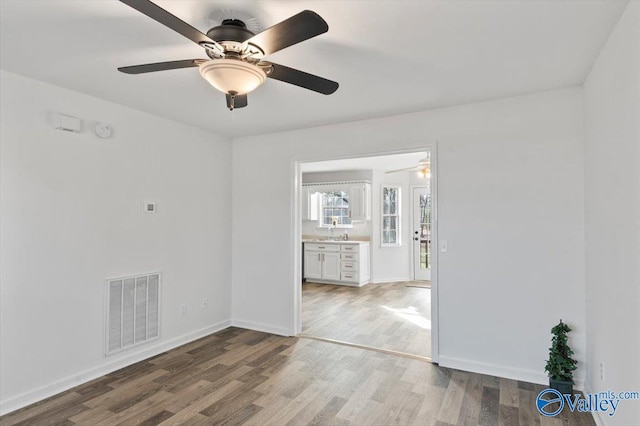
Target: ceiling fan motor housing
<point x="231" y="34"/>
<point x="230" y="30"/>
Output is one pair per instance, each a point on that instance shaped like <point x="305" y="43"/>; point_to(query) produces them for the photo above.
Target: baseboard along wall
<point x="107" y="367"/>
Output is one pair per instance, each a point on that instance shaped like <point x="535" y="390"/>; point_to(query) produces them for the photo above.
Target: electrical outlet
<point x="602" y="371"/>
<point x="183" y="309"/>
<point x="205" y="303"/>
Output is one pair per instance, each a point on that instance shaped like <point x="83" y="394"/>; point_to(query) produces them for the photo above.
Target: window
<point x="390" y="216"/>
<point x="425" y="231"/>
<point x="344" y="203"/>
<point x="335" y="204"/>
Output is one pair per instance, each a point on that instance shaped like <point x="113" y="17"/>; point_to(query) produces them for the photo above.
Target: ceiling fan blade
<point x="300" y="27"/>
<point x="158" y="14"/>
<point x="301" y="79"/>
<point x="240" y="101"/>
<point x="405" y="169"/>
<point x="161" y="66"/>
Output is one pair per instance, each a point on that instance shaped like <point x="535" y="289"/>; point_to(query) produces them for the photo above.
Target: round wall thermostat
<point x="103" y="130"/>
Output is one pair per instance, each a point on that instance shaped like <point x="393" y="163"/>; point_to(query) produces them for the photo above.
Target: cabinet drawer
<point x="349" y="276"/>
<point x="349" y="248"/>
<point x="349" y="266"/>
<point x="322" y="247"/>
<point x="349" y="256"/>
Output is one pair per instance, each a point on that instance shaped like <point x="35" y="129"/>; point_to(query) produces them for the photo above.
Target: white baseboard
<point x="76" y="379"/>
<point x="596" y="415"/>
<point x="499" y="371"/>
<point x="265" y="328"/>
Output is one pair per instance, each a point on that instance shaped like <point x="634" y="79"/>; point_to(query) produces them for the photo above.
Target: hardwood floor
<point x="245" y="377"/>
<point x="389" y="316"/>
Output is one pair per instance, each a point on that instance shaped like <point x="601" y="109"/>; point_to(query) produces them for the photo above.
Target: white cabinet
<point x="311" y="199"/>
<point x="354" y="263"/>
<point x="360" y="202"/>
<point x="312" y="265"/>
<point x="337" y="263"/>
<point x="330" y="266"/>
<point x="321" y="262"/>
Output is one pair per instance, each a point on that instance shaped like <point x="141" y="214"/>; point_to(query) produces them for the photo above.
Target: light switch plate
<point x="444" y="246"/>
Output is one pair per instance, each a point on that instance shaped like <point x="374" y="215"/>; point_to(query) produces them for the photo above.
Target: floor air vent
<point x="132" y="311"/>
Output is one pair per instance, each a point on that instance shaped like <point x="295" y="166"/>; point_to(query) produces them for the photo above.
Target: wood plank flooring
<point x="389" y="316"/>
<point x="244" y="377"/>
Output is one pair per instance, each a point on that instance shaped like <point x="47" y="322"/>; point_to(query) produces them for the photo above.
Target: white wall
<point x="612" y="215"/>
<point x="336" y="176"/>
<point x="511" y="206"/>
<point x="72" y="216"/>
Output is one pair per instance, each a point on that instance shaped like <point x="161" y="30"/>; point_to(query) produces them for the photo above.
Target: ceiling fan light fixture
<point x="232" y="75"/>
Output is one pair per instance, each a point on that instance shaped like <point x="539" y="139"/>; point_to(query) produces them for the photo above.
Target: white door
<point x="421" y="233"/>
<point x="312" y="265"/>
<point x="330" y="266"/>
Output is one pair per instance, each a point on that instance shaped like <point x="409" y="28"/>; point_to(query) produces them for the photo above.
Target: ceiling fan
<point x="235" y="65"/>
<point x="423" y="167"/>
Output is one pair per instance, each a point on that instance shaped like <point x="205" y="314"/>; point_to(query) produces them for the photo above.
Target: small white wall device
<point x="67" y="123"/>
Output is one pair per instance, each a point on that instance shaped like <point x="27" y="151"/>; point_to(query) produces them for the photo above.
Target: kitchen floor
<point x="391" y="316"/>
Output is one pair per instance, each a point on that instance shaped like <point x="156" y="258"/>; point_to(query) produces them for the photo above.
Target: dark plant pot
<point x="561" y="386"/>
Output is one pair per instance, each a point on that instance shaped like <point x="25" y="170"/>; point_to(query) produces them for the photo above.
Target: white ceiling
<point x="383" y="162"/>
<point x="389" y="57"/>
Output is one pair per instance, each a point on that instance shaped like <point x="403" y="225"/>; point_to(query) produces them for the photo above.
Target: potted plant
<point x="560" y="365"/>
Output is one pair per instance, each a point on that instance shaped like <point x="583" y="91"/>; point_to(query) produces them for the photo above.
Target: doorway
<point x="386" y="312"/>
<point x="421" y="203"/>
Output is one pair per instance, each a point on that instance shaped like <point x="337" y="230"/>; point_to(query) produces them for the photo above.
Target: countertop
<point x="333" y="241"/>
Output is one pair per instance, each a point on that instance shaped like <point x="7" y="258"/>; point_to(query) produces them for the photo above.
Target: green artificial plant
<point x="560" y="365"/>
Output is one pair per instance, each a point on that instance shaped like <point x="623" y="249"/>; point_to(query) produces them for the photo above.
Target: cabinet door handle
<point x="319" y="257"/>
<point x="323" y="257"/>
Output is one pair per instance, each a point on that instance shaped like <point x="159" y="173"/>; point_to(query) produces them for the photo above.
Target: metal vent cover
<point x="132" y="311"/>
